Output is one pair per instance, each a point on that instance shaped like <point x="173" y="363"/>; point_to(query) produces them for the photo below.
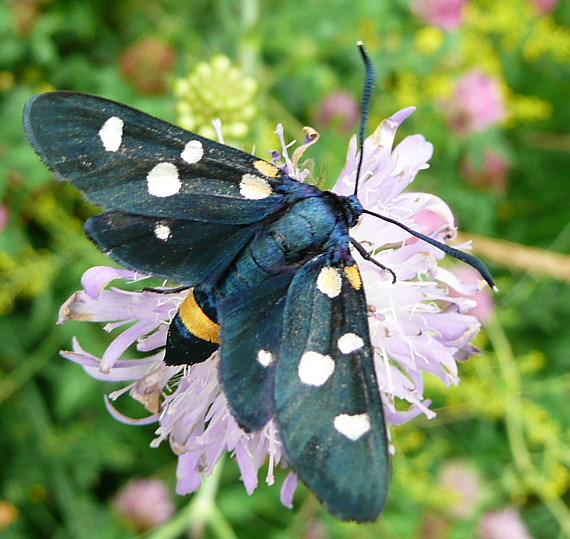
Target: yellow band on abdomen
<point x="196" y="320"/>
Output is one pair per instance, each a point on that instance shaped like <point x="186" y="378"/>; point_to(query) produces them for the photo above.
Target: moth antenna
<point x="473" y="261"/>
<point x="365" y="107"/>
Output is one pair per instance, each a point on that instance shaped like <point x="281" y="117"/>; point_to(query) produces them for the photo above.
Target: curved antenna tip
<point x="364" y="109"/>
<point x="468" y="258"/>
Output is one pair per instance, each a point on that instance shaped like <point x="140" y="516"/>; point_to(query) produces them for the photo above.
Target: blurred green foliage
<point x="64" y="457"/>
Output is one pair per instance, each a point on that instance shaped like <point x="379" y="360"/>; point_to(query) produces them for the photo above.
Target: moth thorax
<point x="351" y="209"/>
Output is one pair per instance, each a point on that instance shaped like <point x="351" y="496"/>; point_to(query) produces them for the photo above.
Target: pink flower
<point x="544" y="6"/>
<point x="338" y="108"/>
<point x="147" y="65"/>
<point x="493" y="174"/>
<point x="476" y="103"/>
<point x="502" y="524"/>
<point x="3" y="217"/>
<point x="463" y="484"/>
<point x="145" y="503"/>
<point x="445" y="14"/>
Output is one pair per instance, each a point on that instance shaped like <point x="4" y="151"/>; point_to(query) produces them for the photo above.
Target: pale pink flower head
<point x="144" y="503"/>
<point x="492" y="175"/>
<point x="544" y="6"/>
<point x="476" y="103"/>
<point x="463" y="484"/>
<point x="445" y="14"/>
<point x="502" y="524"/>
<point x="416" y="325"/>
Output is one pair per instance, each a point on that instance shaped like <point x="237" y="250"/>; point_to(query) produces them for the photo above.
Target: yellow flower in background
<point x="429" y="39"/>
<point x="6" y="80"/>
<point x="527" y="108"/>
<point x="407" y="89"/>
<point x="477" y="49"/>
<point x="548" y="38"/>
<point x="439" y="85"/>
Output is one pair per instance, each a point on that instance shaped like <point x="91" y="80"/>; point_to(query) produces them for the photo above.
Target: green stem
<point x="513" y="407"/>
<point x="515" y="425"/>
<point x="249" y="44"/>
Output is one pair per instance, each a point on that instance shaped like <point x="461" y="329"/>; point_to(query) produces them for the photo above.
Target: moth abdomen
<point x="194" y="333"/>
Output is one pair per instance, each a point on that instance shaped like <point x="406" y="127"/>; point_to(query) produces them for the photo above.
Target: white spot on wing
<point x="162" y="231"/>
<point x="265" y="358"/>
<point x="329" y="282"/>
<point x="254" y="187"/>
<point x="352" y="426"/>
<point x="162" y="180"/>
<point x="193" y="152"/>
<point x="315" y="369"/>
<point x="350" y="342"/>
<point x="111" y="134"/>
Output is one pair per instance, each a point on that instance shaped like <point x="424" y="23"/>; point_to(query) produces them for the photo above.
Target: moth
<point x="273" y="283"/>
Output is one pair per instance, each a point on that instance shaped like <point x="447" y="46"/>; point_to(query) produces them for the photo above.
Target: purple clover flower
<point x="544" y="6"/>
<point x="477" y="103"/>
<point x="340" y="109"/>
<point x="416" y="324"/>
<point x="144" y="503"/>
<point x="506" y="522"/>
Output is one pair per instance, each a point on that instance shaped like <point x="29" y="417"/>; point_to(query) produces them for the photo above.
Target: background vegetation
<point x="501" y="438"/>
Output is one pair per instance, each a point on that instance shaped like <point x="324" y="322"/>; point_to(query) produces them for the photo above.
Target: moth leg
<point x="366" y="255"/>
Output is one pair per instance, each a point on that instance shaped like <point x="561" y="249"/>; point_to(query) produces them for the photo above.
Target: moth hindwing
<point x="271" y="282"/>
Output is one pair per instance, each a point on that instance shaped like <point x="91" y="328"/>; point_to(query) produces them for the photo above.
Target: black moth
<point x="273" y="283"/>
